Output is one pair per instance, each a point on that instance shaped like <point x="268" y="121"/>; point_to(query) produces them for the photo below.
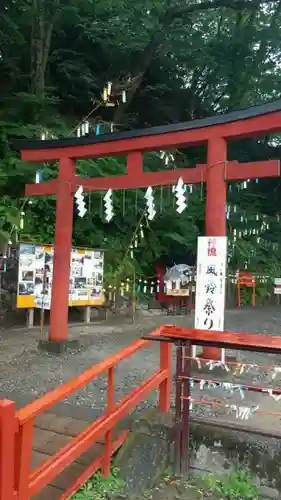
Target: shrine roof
<point x="235" y="116"/>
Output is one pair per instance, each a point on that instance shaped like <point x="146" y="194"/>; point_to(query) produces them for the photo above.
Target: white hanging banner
<point x="210" y="283"/>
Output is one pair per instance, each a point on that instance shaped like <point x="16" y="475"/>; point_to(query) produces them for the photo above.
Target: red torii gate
<point x="214" y="132"/>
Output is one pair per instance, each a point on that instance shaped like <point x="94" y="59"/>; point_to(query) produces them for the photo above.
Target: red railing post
<point x="238" y="293"/>
<point x="108" y="437"/>
<point x="23" y="457"/>
<point x="165" y="387"/>
<point x="8" y="427"/>
<point x="254" y="294"/>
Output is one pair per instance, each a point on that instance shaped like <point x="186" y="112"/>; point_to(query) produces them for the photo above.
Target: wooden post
<point x="23" y="459"/>
<point x="254" y="293"/>
<point x="185" y="431"/>
<point x="238" y="293"/>
<point x="30" y="318"/>
<point x="8" y="427"/>
<point x="134" y="298"/>
<point x="87" y="315"/>
<point x="62" y="253"/>
<point x="178" y="408"/>
<point x="166" y="386"/>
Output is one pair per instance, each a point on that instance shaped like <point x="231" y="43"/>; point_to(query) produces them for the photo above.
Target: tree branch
<point x="212" y="4"/>
<point x="169" y="15"/>
<point x="264" y="41"/>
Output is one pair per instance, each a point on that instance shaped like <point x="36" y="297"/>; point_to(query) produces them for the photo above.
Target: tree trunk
<point x="238" y="81"/>
<point x="41" y="36"/>
<point x="137" y="78"/>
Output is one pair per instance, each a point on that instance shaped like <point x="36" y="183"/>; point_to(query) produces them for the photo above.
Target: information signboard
<point x="35" y="277"/>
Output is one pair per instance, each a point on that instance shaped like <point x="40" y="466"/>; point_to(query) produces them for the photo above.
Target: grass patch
<point x="98" y="486"/>
<point x="235" y="486"/>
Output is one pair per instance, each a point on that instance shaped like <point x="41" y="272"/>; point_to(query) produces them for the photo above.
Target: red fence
<point x="18" y="481"/>
<point x="184" y="339"/>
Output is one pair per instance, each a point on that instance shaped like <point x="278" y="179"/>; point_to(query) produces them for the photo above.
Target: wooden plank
<point x="41" y="437"/>
<point x="38" y="458"/>
<point x="92" y="454"/>
<point x="48" y="443"/>
<point x="115" y="435"/>
<point x="60" y="425"/>
<point x="72" y="472"/>
<point x="53" y="446"/>
<point x="49" y="493"/>
<point x="68" y="476"/>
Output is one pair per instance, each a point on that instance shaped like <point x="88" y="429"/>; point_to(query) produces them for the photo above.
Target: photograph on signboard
<point x="97" y="264"/>
<point x="27" y="275"/>
<point x="87" y="265"/>
<point x="48" y="262"/>
<point x="80" y="282"/>
<point x="26" y="262"/>
<point x="26" y="288"/>
<point x="38" y="288"/>
<point x="98" y="278"/>
<point x="26" y="249"/>
<point x="96" y="291"/>
<point x="39" y="257"/>
<point x="77" y="262"/>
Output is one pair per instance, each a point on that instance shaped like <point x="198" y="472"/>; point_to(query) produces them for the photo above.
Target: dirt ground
<point x="26" y="373"/>
<point x="181" y="490"/>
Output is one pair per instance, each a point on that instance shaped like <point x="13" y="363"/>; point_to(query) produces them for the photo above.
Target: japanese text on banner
<point x="210" y="283"/>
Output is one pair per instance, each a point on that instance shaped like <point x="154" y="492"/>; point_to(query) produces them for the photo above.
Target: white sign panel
<point x="210" y="283"/>
<point x="277" y="283"/>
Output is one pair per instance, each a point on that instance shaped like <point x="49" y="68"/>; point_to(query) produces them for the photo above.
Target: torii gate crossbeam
<point x="214" y="132"/>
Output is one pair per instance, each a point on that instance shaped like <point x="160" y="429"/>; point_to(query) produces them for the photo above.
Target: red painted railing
<point x="184" y="339"/>
<point x="18" y="481"/>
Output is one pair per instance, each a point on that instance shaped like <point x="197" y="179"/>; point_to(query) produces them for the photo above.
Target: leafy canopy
<point x="178" y="61"/>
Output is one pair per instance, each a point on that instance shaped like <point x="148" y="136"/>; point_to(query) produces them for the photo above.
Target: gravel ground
<point x="26" y="373"/>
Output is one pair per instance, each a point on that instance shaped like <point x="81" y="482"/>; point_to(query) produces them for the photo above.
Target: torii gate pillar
<point x="215" y="218"/>
<point x="62" y="252"/>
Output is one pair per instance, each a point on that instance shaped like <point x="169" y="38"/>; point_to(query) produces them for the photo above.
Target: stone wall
<point x="150" y="450"/>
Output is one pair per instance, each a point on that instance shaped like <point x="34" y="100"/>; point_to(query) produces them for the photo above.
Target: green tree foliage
<point x="178" y="61"/>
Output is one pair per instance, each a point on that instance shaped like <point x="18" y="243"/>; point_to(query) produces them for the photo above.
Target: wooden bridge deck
<point x="52" y="432"/>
